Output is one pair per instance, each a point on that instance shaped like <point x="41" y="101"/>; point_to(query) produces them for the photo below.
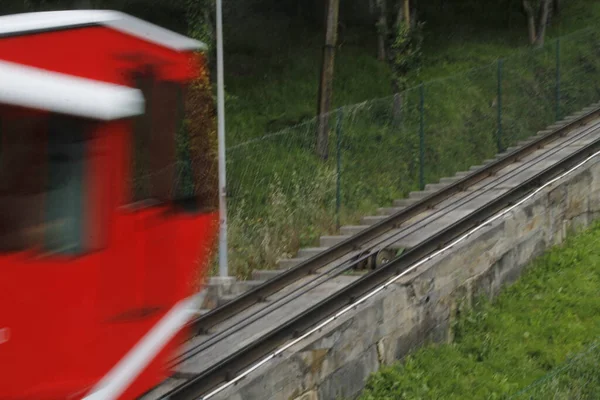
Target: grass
<point x="272" y="74"/>
<point x="273" y="79"/>
<point x="282" y="197"/>
<point x="530" y="332"/>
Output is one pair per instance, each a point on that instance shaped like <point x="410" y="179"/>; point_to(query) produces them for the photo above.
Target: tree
<point x="382" y="30"/>
<point x="326" y="84"/>
<point x="401" y="46"/>
<point x="537" y="10"/>
<point x="200" y="21"/>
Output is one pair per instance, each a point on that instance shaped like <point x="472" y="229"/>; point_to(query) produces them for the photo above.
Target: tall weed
<point x="257" y="241"/>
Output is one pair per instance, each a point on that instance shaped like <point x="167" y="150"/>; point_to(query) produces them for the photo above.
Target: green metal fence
<point x="283" y="196"/>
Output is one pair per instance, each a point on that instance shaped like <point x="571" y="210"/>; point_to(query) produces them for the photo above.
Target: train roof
<point x="27" y="23"/>
<point x="36" y="88"/>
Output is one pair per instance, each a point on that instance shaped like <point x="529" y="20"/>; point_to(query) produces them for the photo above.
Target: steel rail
<point x="241" y="359"/>
<point x="375" y="246"/>
<point x="356" y="242"/>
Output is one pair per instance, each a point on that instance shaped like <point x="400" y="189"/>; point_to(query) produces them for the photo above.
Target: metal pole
<point x="499" y="102"/>
<point x="422" y="138"/>
<point x="338" y="186"/>
<point x="558" y="79"/>
<point x="223" y="268"/>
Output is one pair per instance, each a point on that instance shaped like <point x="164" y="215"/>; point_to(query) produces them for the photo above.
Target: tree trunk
<point x="326" y="84"/>
<point x="399" y="14"/>
<point x="406" y="11"/>
<point x="382" y="30"/>
<point x="372" y="7"/>
<point x="555" y="7"/>
<point x="412" y="15"/>
<point x="403" y="16"/>
<point x="531" y="28"/>
<point x="530" y="21"/>
<point x="542" y="23"/>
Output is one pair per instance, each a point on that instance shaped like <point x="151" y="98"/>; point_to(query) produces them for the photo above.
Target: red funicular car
<point x="99" y="243"/>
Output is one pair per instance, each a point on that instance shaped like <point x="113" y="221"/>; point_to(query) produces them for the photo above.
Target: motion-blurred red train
<point x="96" y="272"/>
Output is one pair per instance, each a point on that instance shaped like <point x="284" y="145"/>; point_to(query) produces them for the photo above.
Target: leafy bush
<point x="406" y="53"/>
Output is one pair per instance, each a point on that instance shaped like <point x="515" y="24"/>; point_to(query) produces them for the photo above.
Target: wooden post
<point x="326" y="84"/>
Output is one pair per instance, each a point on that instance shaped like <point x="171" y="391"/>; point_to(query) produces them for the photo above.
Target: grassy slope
<point x="272" y="75"/>
<point x="274" y="85"/>
<point x="552" y="313"/>
<point x="282" y="197"/>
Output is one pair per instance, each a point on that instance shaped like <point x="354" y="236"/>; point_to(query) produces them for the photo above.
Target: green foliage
<point x="273" y="54"/>
<point x="260" y="240"/>
<point x="406" y="53"/>
<point x="533" y="329"/>
<point x="200" y="26"/>
<point x="379" y="147"/>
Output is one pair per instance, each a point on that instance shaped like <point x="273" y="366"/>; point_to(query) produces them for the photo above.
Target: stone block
<point x="405" y="342"/>
<point x="346" y="342"/>
<point x="594" y="200"/>
<point x="215" y="289"/>
<point x="529" y="217"/>
<point x="352" y="229"/>
<point x="398" y="309"/>
<point x="288" y="263"/>
<point x="498" y="274"/>
<point x="286" y="379"/>
<point x="350" y="379"/>
<point x="389" y="210"/>
<point x="310" y="252"/>
<point x="265" y="275"/>
<point x="310" y="395"/>
<point x="556" y="213"/>
<point x="329" y="241"/>
<point x="372" y="220"/>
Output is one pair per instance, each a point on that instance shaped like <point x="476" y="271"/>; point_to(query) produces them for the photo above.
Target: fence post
<point x="397" y="110"/>
<point x="499" y="105"/>
<point x="338" y="184"/>
<point x="557" y="99"/>
<point x="422" y="137"/>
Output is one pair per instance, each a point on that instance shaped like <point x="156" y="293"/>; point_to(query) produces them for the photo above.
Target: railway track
<point x="235" y="336"/>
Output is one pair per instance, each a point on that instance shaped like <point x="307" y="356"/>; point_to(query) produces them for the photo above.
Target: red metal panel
<point x="57" y="345"/>
<point x="98" y="53"/>
<point x="64" y="322"/>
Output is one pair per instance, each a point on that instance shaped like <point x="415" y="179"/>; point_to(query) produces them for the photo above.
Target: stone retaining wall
<point x="335" y="363"/>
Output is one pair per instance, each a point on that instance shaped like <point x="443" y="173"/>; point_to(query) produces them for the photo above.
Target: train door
<point x="145" y="284"/>
<point x="48" y="274"/>
<point x="156" y="170"/>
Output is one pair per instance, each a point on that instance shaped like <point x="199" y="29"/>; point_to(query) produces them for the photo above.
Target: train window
<point x="21" y="181"/>
<point x="65" y="192"/>
<point x="191" y="174"/>
<point x="165" y="167"/>
<point x="154" y="157"/>
<point x="41" y="184"/>
<point x="185" y="184"/>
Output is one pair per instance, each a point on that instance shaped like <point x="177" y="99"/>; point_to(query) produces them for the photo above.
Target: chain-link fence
<point x="282" y="195"/>
<point x="577" y="379"/>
